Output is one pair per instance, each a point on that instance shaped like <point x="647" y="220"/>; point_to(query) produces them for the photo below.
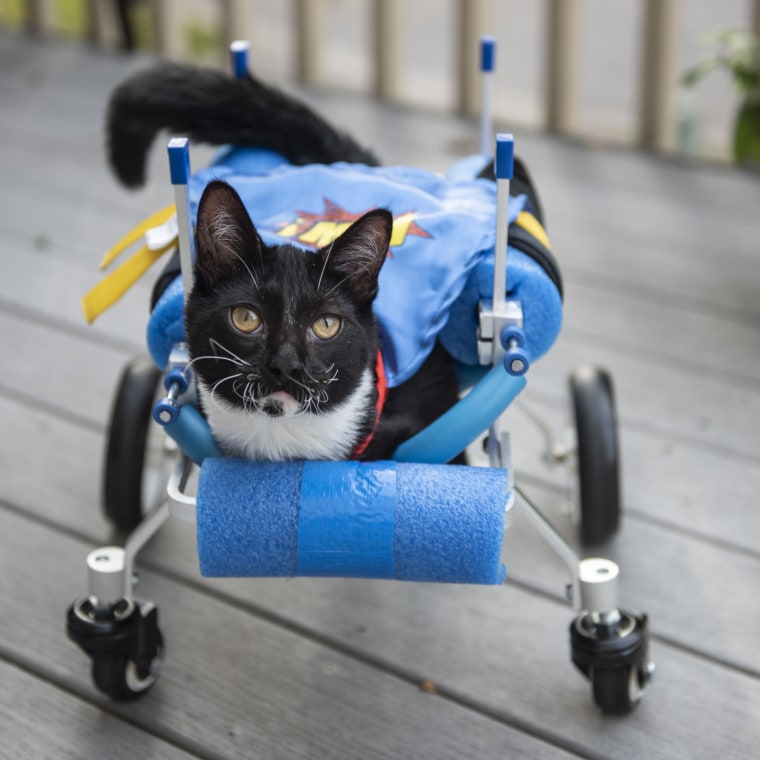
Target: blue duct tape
<point x="346" y="519"/>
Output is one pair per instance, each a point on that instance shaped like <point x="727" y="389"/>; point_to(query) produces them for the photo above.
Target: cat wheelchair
<point x="412" y="518"/>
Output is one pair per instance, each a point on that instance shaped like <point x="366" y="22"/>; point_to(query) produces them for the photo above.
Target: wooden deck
<point x="662" y="270"/>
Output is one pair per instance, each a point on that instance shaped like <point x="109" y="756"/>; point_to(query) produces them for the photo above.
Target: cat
<point x="283" y="341"/>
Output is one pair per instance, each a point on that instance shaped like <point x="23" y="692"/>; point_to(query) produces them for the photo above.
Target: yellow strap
<point x="137" y="233"/>
<point x="112" y="287"/>
<point x="530" y="224"/>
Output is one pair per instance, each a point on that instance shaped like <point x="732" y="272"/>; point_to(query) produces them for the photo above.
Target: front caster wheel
<point x="613" y="653"/>
<point x="122" y="679"/>
<point x="124" y="642"/>
<point x="616" y="691"/>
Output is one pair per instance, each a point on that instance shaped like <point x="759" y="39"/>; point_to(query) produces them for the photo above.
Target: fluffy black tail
<point x="213" y="107"/>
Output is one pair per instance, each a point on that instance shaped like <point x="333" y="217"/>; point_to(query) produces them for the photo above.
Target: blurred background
<point x="607" y="71"/>
<point x="658" y="238"/>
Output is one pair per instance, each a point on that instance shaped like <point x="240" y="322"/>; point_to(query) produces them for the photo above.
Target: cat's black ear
<point x="357" y="255"/>
<point x="225" y="239"/>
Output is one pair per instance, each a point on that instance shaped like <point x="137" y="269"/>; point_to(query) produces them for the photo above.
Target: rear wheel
<point x="593" y="404"/>
<point x="135" y="456"/>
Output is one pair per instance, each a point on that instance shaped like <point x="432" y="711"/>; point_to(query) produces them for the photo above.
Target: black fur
<point x="212" y="107"/>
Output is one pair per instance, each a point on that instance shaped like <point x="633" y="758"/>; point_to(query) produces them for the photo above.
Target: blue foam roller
<point x="247" y="518"/>
<point x="402" y="521"/>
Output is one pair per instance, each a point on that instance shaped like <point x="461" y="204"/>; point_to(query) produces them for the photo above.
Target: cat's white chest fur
<point x="255" y="435"/>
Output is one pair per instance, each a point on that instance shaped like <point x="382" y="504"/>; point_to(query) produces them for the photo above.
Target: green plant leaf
<point x="747" y="134"/>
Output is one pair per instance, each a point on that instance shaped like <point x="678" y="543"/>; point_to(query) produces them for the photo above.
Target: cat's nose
<point x="286" y="360"/>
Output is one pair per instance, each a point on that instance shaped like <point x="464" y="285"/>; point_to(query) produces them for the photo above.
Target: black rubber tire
<point x="125" y="452"/>
<point x="616" y="691"/>
<point x="110" y="674"/>
<point x="593" y="402"/>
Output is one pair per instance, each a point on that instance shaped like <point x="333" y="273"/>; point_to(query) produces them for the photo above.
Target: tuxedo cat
<point x="283" y="341"/>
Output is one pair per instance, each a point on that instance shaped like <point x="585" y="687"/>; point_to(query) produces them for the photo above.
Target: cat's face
<point x="280" y="331"/>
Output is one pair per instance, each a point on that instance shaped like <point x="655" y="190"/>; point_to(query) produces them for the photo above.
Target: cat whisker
<point x="324" y="266"/>
<point x="248" y="269"/>
<point x="249" y="401"/>
<point x="248" y="396"/>
<point x="214" y="357"/>
<point x="213" y="388"/>
<point x="297" y="382"/>
<point x="325" y="371"/>
<point x="347" y="277"/>
<point x="224" y="380"/>
<point x="216" y="344"/>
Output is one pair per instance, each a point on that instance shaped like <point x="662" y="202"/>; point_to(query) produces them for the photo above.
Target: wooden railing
<point x="107" y="27"/>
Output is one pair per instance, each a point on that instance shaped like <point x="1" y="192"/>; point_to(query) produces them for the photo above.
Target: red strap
<point x="382" y="394"/>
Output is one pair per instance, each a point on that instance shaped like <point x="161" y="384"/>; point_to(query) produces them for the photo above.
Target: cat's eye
<point x="326" y="326"/>
<point x="246" y="320"/>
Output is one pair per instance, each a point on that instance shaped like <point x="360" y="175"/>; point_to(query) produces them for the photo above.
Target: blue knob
<point x="165" y="411"/>
<point x="516" y="360"/>
<point x="177" y="378"/>
<point x="512" y="334"/>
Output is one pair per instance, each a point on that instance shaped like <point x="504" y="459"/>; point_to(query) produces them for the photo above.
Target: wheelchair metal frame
<point x="604" y="638"/>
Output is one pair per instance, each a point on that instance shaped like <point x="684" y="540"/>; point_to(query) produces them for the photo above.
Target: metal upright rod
<point x="179" y="167"/>
<point x="504" y="166"/>
<point x="487" y="67"/>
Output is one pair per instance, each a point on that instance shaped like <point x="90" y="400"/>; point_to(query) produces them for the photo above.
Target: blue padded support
<point x="452" y="432"/>
<point x="447" y="522"/>
<point x="166" y="326"/>
<point x="192" y="434"/>
<point x="247" y="518"/>
<point x="528" y="283"/>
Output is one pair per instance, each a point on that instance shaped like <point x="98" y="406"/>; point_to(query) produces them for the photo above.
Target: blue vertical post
<point x="487" y="68"/>
<point x="179" y="169"/>
<point x="504" y="166"/>
<point x="239" y="58"/>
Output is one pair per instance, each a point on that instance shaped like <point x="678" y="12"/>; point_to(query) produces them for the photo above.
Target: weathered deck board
<point x="662" y="266"/>
<point x="71" y="728"/>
